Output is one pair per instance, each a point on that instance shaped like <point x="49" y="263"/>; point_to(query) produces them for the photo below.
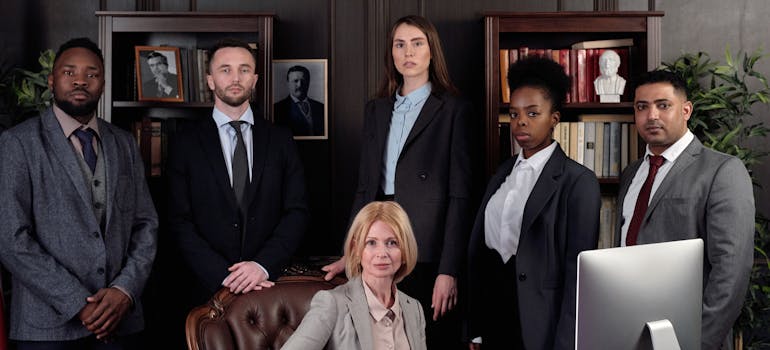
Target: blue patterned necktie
<point x="86" y="142"/>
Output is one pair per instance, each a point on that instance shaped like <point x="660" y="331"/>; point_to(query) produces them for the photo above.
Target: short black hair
<point x="298" y="68"/>
<point x="541" y="73"/>
<point x="662" y="76"/>
<point x="230" y="42"/>
<point x="154" y="54"/>
<point x="85" y="43"/>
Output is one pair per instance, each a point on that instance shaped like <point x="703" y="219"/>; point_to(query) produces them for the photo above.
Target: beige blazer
<point x="339" y="319"/>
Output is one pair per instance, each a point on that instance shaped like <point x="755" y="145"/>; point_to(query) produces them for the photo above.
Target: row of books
<point x="604" y="143"/>
<point x="580" y="62"/>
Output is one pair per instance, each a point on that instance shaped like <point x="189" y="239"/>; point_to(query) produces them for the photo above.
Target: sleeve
<point x="207" y="265"/>
<point x="583" y="207"/>
<point x="729" y="250"/>
<point x="317" y="326"/>
<point x="20" y="251"/>
<point x="458" y="220"/>
<point x="143" y="242"/>
<point x="277" y="251"/>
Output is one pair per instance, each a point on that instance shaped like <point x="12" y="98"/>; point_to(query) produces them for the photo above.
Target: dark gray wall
<point x="351" y="33"/>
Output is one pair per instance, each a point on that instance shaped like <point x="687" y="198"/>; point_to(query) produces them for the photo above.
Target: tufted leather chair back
<point x="256" y="320"/>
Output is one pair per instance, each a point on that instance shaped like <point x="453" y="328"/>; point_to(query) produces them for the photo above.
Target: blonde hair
<point x="391" y="214"/>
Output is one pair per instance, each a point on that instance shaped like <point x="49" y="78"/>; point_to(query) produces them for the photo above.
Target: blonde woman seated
<point x="368" y="312"/>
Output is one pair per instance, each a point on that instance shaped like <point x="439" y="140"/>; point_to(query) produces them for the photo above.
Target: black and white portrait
<point x="299" y="97"/>
<point x="158" y="73"/>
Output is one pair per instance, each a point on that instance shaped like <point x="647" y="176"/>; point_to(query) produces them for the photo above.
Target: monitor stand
<point x="663" y="335"/>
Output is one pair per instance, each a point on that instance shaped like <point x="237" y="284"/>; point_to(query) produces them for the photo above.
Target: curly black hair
<point x="541" y="73"/>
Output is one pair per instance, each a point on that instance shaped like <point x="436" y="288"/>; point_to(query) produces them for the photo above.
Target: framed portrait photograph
<point x="300" y="97"/>
<point x="159" y="73"/>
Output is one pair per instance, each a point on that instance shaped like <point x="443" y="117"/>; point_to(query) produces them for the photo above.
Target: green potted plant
<point x="724" y="96"/>
<point x="25" y="93"/>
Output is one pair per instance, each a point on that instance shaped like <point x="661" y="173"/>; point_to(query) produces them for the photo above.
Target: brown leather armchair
<point x="262" y="319"/>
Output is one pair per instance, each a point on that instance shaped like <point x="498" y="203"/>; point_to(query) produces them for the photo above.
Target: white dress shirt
<point x="505" y="209"/>
<point x="228" y="139"/>
<point x="670" y="155"/>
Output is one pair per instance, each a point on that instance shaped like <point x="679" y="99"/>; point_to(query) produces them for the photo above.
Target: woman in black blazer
<point x="539" y="211"/>
<point x="416" y="151"/>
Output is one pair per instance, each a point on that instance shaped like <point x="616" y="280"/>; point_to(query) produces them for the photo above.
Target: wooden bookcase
<point x="121" y="32"/>
<point x="507" y="30"/>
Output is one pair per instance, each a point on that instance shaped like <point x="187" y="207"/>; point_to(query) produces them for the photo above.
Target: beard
<point x="233" y="101"/>
<point x="83" y="109"/>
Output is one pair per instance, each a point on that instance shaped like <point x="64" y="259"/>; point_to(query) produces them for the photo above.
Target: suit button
<point x="522" y="277"/>
<point x="97" y="183"/>
<point x="235" y="226"/>
<point x="100" y="271"/>
<point x="96" y="234"/>
<point x="423" y="176"/>
<point x="98" y="205"/>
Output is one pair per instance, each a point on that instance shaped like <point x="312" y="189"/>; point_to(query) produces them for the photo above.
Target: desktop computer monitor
<point x="620" y="290"/>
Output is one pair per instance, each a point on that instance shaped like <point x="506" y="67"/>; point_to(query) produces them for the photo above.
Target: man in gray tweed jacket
<point x="79" y="229"/>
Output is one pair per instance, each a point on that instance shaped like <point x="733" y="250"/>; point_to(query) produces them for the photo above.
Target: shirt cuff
<point x="263" y="269"/>
<point x="124" y="292"/>
<point x="476" y="340"/>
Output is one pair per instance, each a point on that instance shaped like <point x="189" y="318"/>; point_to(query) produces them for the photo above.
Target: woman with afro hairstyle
<point x="539" y="211"/>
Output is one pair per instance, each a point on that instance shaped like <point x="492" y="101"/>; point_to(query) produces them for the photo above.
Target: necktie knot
<point x="656" y="161"/>
<point x="236" y="125"/>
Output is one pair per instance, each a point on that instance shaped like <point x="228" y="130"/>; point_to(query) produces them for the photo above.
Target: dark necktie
<point x="240" y="164"/>
<point x="304" y="107"/>
<point x="642" y="201"/>
<point x="86" y="143"/>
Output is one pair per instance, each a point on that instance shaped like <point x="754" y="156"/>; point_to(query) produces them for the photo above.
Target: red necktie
<point x="641" y="202"/>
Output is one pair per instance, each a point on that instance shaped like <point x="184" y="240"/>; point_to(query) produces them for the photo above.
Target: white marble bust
<point x="609" y="85"/>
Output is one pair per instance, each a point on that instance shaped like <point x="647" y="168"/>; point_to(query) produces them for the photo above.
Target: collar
<point x="376" y="309"/>
<point x="70" y="124"/>
<point x="538" y="160"/>
<point x="296" y="100"/>
<point x="221" y="119"/>
<point x="672" y="152"/>
<point x="413" y="97"/>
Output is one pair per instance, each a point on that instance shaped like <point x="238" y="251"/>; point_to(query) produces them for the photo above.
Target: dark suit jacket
<point x="561" y="219"/>
<point x="50" y="240"/>
<point x="205" y="219"/>
<point x="288" y="114"/>
<point x="150" y="87"/>
<point x="433" y="176"/>
<point x="707" y="195"/>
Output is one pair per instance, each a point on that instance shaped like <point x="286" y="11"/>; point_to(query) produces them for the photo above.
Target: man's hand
<point x="162" y="81"/>
<point x="104" y="311"/>
<point x="444" y="295"/>
<point x="334" y="268"/>
<point x="246" y="276"/>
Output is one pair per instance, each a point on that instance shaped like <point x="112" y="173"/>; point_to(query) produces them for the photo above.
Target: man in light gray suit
<point x="79" y="228"/>
<point x="689" y="192"/>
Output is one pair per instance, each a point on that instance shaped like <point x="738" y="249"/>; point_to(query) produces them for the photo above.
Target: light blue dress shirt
<point x="228" y="139"/>
<point x="405" y="112"/>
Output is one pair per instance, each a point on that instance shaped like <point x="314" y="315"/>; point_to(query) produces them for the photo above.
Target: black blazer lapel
<point x="544" y="188"/>
<point x="208" y="137"/>
<point x="426" y="116"/>
<point x="260" y="140"/>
